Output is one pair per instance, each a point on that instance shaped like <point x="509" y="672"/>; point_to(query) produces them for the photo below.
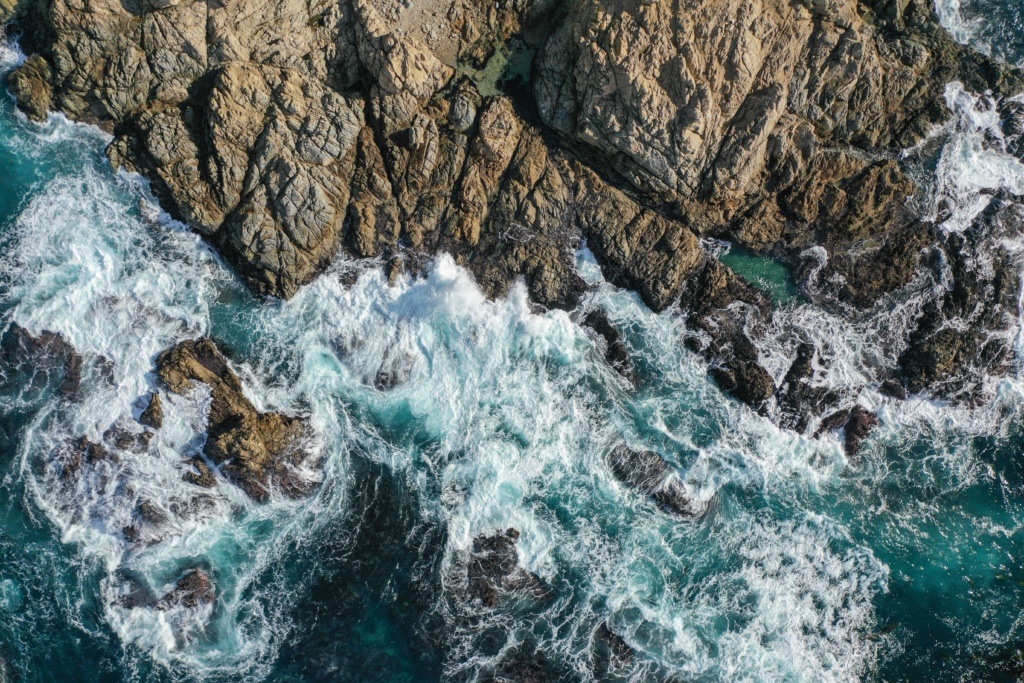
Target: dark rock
<point x="27" y="361"/>
<point x="494" y="570"/>
<point x="153" y="415"/>
<point x="893" y="389"/>
<point x="651" y="474"/>
<point x="395" y="369"/>
<point x="800" y="396"/>
<point x="251" y="449"/>
<point x="123" y="438"/>
<point x="615" y="351"/>
<point x="610" y="651"/>
<point x="193" y="589"/>
<point x="135" y="593"/>
<point x="967" y="333"/>
<point x="722" y="307"/>
<point x="856" y="424"/>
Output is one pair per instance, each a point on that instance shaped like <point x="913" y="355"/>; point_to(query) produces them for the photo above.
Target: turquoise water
<point x="767" y="274"/>
<point x="903" y="564"/>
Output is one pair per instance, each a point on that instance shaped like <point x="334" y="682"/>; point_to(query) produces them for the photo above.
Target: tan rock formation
<point x="254" y="450"/>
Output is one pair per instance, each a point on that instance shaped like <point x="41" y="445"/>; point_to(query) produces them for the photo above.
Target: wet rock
<point x="253" y="450"/>
<point x="81" y="453"/>
<point x="135" y="593"/>
<point x="967" y="332"/>
<point x="200" y="473"/>
<point x="122" y="437"/>
<point x="493" y="570"/>
<point x="193" y="589"/>
<point x="801" y="396"/>
<point x="893" y="389"/>
<point x="153" y="415"/>
<point x="615" y="352"/>
<point x="148" y="518"/>
<point x="28" y="361"/>
<point x="856" y="424"/>
<point x="651" y="474"/>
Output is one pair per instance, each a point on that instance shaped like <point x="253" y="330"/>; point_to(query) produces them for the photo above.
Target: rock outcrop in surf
<point x="288" y="132"/>
<point x="254" y="450"/>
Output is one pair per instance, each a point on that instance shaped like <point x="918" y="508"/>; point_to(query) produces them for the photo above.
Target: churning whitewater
<point x="807" y="565"/>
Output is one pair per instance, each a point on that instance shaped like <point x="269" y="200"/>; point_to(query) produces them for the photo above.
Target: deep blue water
<point x="904" y="564"/>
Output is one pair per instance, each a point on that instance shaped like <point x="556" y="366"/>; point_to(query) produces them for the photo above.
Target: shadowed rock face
<point x="252" y="449"/>
<point x="286" y="132"/>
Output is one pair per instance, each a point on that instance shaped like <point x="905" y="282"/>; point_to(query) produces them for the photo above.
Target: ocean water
<point x="903" y="564"/>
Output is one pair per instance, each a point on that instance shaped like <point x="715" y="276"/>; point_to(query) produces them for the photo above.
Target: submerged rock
<point x="493" y="570"/>
<point x="193" y="589"/>
<point x="78" y="454"/>
<point x="251" y="449"/>
<point x="610" y="651"/>
<point x="38" y="362"/>
<point x="651" y="474"/>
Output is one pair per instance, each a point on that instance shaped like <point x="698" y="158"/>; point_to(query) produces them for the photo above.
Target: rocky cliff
<point x="288" y="131"/>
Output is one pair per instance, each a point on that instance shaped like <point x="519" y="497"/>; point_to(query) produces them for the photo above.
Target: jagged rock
<point x="72" y="457"/>
<point x="122" y="437"/>
<point x="38" y="362"/>
<point x="757" y="119"/>
<point x="200" y="473"/>
<point x="722" y="307"/>
<point x="153" y="415"/>
<point x="967" y="333"/>
<point x="147" y="516"/>
<point x="253" y="450"/>
<point x="800" y="395"/>
<point x="856" y="423"/>
<point x="494" y="570"/>
<point x="285" y="131"/>
<point x="193" y="589"/>
<point x="652" y="475"/>
<point x="615" y="351"/>
<point x="31" y="85"/>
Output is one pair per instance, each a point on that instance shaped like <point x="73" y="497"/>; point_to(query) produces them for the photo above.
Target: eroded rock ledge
<point x="286" y="132"/>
